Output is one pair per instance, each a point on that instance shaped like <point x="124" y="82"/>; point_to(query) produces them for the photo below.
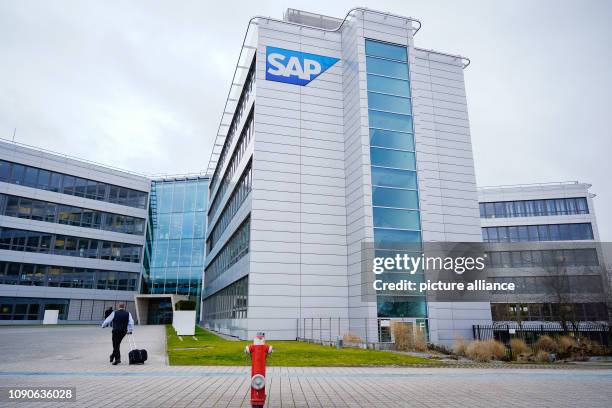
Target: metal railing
<point x="601" y="333"/>
<point x="356" y="332"/>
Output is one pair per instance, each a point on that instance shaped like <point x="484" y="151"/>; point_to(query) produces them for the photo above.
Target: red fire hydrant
<point x="258" y="352"/>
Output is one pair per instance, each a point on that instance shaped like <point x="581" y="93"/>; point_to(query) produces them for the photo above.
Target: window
<point x="393" y="178"/>
<point x="387" y="85"/>
<point x="31" y="177"/>
<point x="387" y="68"/>
<point x="389" y="103"/>
<point x="233" y="250"/>
<point x="387" y="197"/>
<point x="393" y="218"/>
<point x="546" y="232"/>
<point x="76" y="216"/>
<point x="17" y="172"/>
<point x="389" y="238"/>
<point x="533" y="208"/>
<point x="391" y="139"/>
<point x="32" y="241"/>
<point x="5" y="168"/>
<point x="392" y="158"/>
<point x="43" y="179"/>
<point x="386" y="50"/>
<point x="48" y="180"/>
<point x="55" y="182"/>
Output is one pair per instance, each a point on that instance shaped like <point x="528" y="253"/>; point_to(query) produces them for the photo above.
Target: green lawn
<point x="210" y="349"/>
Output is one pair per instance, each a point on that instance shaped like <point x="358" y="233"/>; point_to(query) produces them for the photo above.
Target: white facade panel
<point x="311" y="199"/>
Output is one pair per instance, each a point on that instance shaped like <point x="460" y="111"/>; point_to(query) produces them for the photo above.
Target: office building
<point x="71" y="236"/>
<point x="337" y="133"/>
<point x="544" y="238"/>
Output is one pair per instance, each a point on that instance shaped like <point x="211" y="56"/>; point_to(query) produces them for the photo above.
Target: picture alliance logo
<point x="294" y="67"/>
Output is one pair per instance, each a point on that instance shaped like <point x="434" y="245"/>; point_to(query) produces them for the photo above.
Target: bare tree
<point x="564" y="292"/>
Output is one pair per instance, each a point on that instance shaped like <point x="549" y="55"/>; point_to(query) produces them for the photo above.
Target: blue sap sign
<point x="294" y="67"/>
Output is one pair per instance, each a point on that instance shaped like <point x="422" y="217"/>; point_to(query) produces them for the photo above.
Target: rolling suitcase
<point x="136" y="356"/>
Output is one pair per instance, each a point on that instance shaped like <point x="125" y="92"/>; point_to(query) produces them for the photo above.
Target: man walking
<point x="123" y="324"/>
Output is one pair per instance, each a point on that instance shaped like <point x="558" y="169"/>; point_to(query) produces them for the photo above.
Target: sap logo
<point x="294" y="67"/>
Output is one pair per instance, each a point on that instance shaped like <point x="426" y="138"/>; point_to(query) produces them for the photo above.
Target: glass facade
<point x="47" y="243"/>
<point x="542" y="258"/>
<point x="395" y="198"/>
<point x="545" y="232"/>
<point x="16" y="273"/>
<point x="23" y="308"/>
<point x="548" y="311"/>
<point x="243" y="142"/>
<point x="234" y="249"/>
<point x="230" y="302"/>
<point x="532" y="285"/>
<point x="247" y="90"/>
<point x="534" y="208"/>
<point x="21" y="207"/>
<point x="240" y="193"/>
<point x="34" y="177"/>
<point x="174" y="255"/>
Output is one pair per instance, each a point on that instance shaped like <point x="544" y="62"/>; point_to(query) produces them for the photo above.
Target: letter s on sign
<point x="274" y="60"/>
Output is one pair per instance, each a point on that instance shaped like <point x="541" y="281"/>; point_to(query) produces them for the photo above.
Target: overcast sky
<point x="141" y="85"/>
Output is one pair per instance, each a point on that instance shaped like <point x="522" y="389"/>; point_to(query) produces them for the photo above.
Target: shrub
<point x="350" y="337"/>
<point x="460" y="347"/>
<point x="546" y="343"/>
<point x="519" y="347"/>
<point x="485" y="350"/>
<point x="565" y="344"/>
<point x="498" y="350"/>
<point x="591" y="347"/>
<point x="406" y="339"/>
<point x="542" y="356"/>
<point x="185" y="305"/>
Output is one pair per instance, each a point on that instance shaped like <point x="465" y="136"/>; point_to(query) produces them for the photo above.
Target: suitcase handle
<point x="131" y="341"/>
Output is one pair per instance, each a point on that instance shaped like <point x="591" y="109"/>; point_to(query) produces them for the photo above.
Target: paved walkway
<point x="78" y="357"/>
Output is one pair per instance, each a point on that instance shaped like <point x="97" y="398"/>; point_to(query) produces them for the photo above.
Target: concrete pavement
<point x="78" y="357"/>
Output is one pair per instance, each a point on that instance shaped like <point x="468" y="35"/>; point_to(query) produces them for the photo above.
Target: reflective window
<point x="240" y="193"/>
<point x="390" y="197"/>
<point x="62" y="183"/>
<point x="389" y="103"/>
<point x="394" y="181"/>
<point x="388" y="68"/>
<point x="534" y="208"/>
<point x="392" y="158"/>
<point x="393" y="140"/>
<point x="5" y="169"/>
<point x="233" y="130"/>
<point x="17" y="173"/>
<point x="386" y="50"/>
<point x="546" y="232"/>
<point x="174" y="252"/>
<point x="391" y="86"/>
<point x="42" y="242"/>
<point x="388" y="238"/>
<point x="65" y="214"/>
<point x="232" y="166"/>
<point x="232" y="251"/>
<point x="31" y="177"/>
<point x="390" y="121"/>
<point x="230" y="302"/>
<point x="394" y="178"/>
<point x="392" y="218"/>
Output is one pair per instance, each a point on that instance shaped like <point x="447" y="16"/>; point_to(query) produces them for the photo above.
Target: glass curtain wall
<point x="395" y="198"/>
<point x="174" y="257"/>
